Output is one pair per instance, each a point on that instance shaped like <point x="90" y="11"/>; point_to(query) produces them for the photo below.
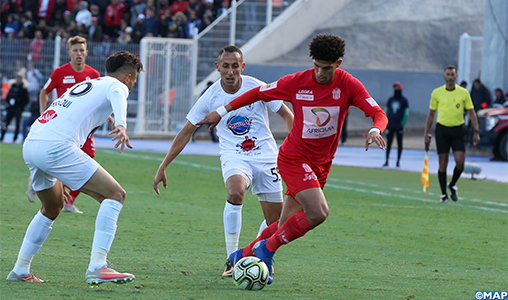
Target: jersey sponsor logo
<point x="269" y="86"/>
<point x="239" y="125"/>
<point x="304" y="97"/>
<point x="336" y="94"/>
<point x="47" y="83"/>
<point x="47" y="116"/>
<point x="249" y="144"/>
<point x="371" y="101"/>
<point x="319" y="122"/>
<point x="305" y="92"/>
<point x="69" y="79"/>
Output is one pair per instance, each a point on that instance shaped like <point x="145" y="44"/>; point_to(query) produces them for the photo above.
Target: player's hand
<point x="111" y="121"/>
<point x="120" y="134"/>
<point x="160" y="176"/>
<point x="426" y="141"/>
<point x="375" y="137"/>
<point x="212" y="118"/>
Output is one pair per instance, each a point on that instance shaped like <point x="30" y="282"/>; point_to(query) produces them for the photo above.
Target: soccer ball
<point x="250" y="273"/>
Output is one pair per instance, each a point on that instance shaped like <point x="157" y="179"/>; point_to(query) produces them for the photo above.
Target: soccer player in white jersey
<point x="59" y="133"/>
<point x="248" y="151"/>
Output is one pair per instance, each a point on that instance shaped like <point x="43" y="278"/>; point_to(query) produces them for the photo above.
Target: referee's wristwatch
<point x="477" y="131"/>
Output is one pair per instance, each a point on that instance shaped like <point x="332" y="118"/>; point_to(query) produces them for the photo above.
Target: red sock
<point x="268" y="232"/>
<point x="296" y="226"/>
<point x="73" y="194"/>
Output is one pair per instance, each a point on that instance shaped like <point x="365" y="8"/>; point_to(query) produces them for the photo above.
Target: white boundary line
<point x="405" y="197"/>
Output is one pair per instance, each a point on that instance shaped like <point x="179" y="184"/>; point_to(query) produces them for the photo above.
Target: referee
<point x="451" y="100"/>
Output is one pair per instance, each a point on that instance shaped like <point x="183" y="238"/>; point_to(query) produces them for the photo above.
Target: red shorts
<point x="89" y="147"/>
<point x="300" y="174"/>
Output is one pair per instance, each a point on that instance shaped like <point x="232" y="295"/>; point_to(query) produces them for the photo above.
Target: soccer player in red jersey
<point x="61" y="79"/>
<point x="321" y="97"/>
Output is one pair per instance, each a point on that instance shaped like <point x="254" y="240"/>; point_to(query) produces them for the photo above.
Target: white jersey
<point x="75" y="115"/>
<point x="243" y="132"/>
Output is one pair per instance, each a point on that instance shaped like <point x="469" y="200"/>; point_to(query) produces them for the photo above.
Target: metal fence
<point x="166" y="90"/>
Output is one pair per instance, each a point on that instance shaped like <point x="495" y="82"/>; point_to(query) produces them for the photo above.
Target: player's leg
<point x="237" y="176"/>
<point x="88" y="148"/>
<point x="50" y="192"/>
<point x="111" y="196"/>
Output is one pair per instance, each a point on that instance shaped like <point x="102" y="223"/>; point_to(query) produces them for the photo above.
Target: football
<point x="250" y="273"/>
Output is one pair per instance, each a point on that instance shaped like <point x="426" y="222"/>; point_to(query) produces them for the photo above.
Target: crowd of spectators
<point x="121" y="21"/>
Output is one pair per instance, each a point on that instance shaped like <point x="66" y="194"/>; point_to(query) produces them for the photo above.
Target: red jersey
<point x="64" y="77"/>
<point x="114" y="13"/>
<point x="319" y="111"/>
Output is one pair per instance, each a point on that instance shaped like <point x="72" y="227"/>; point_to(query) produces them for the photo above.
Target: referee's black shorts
<point x="450" y="137"/>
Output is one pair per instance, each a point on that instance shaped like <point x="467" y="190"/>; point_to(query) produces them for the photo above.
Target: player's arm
<point x="474" y="120"/>
<point x="428" y="125"/>
<point x="181" y="139"/>
<point x="374" y="136"/>
<point x="118" y="99"/>
<point x="287" y="115"/>
<point x="245" y="99"/>
<point x="43" y="100"/>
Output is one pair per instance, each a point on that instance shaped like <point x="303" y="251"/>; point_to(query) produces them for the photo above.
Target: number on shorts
<point x="275" y="172"/>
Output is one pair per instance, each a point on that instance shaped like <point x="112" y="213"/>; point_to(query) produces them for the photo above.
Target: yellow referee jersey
<point x="450" y="105"/>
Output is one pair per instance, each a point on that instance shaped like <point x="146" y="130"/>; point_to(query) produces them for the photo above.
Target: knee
<point x="235" y="197"/>
<point x="51" y="212"/>
<point x="119" y="195"/>
<point x="318" y="217"/>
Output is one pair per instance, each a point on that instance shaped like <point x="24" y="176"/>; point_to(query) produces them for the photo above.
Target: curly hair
<point x="327" y="47"/>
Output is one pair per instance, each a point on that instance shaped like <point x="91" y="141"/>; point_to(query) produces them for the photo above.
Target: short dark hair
<point x="327" y="47"/>
<point x="450" y="67"/>
<point x="123" y="62"/>
<point x="230" y="49"/>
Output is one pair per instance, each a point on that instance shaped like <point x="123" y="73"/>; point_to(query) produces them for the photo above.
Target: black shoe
<point x="444" y="199"/>
<point x="398" y="165"/>
<point x="453" y="192"/>
<point x="386" y="164"/>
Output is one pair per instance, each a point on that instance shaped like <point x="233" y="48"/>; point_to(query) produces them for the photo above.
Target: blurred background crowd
<point x="118" y="21"/>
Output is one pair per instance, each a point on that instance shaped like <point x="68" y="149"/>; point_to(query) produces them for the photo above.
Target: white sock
<point x="262" y="227"/>
<point x="36" y="233"/>
<point x="232" y="226"/>
<point x="105" y="229"/>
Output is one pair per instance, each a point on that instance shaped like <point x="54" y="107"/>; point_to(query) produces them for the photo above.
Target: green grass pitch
<point x="384" y="238"/>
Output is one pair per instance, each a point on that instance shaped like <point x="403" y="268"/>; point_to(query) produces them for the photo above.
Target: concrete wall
<point x="495" y="46"/>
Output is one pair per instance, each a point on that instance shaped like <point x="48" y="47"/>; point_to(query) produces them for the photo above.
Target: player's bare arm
<point x="287" y="115"/>
<point x="120" y="134"/>
<point x="181" y="139"/>
<point x="43" y="100"/>
<point x="213" y="117"/>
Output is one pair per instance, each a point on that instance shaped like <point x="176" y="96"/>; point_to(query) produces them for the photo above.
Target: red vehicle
<point x="494" y="131"/>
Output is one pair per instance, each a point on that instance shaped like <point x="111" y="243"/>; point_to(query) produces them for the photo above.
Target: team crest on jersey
<point x="372" y="102"/>
<point x="268" y="86"/>
<point x="47" y="116"/>
<point x="249" y="144"/>
<point x="239" y="125"/>
<point x="336" y="94"/>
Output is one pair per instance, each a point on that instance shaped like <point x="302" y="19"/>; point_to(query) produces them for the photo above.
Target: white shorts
<point x="263" y="177"/>
<point x="49" y="161"/>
